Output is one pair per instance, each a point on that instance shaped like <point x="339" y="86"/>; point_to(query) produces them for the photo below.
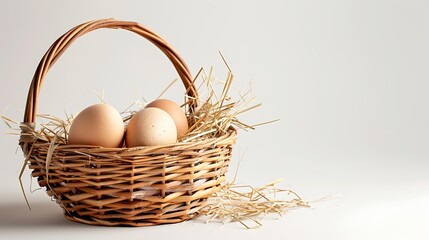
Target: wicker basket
<point x="125" y="186"/>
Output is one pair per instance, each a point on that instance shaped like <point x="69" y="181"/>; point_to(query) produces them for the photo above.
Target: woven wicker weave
<point x="125" y="186"/>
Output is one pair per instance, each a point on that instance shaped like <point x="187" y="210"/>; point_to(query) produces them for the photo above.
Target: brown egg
<point x="175" y="112"/>
<point x="98" y="125"/>
<point x="150" y="127"/>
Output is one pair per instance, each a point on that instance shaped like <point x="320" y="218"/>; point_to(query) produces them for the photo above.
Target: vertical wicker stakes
<point x="125" y="186"/>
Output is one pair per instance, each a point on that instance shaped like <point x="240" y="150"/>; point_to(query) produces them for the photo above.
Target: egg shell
<point x="98" y="125"/>
<point x="150" y="127"/>
<point x="175" y="112"/>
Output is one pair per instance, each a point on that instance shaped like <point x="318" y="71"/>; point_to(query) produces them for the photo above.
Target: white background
<point x="348" y="79"/>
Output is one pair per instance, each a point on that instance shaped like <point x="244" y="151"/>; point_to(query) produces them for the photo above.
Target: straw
<point x="233" y="202"/>
<point x="245" y="203"/>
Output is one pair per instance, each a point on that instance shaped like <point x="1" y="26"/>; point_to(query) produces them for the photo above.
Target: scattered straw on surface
<point x="248" y="205"/>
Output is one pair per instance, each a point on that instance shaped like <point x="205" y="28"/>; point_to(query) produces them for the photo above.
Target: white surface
<point x="348" y="79"/>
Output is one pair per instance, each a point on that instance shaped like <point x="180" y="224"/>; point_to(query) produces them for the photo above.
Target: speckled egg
<point x="150" y="127"/>
<point x="175" y="112"/>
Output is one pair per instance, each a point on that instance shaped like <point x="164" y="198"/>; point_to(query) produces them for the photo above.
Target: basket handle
<point x="62" y="43"/>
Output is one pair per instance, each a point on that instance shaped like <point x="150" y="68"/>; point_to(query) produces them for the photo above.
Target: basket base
<point x="136" y="219"/>
<point x="102" y="222"/>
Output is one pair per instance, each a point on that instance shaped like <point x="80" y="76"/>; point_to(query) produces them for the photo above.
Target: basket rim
<point x="218" y="140"/>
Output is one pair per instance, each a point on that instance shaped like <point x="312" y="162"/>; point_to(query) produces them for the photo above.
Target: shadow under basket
<point x="125" y="186"/>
